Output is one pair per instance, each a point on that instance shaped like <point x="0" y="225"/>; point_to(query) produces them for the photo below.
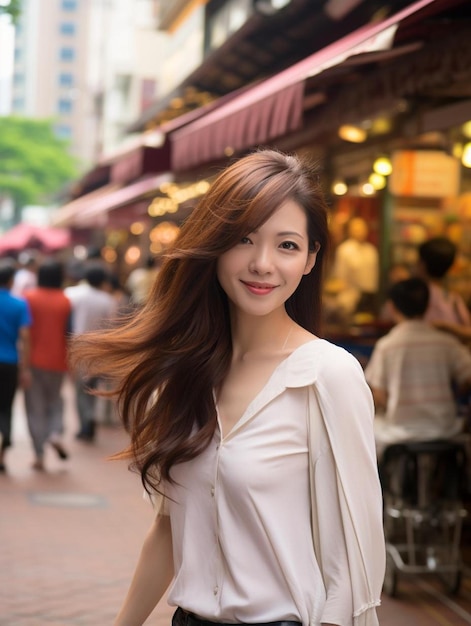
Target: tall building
<point x="6" y="63"/>
<point x="78" y="62"/>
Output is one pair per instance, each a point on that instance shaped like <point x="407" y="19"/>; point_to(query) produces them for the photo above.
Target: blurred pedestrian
<point x="257" y="433"/>
<point x="436" y="257"/>
<point x="122" y="296"/>
<point x="141" y="279"/>
<point x="415" y="371"/>
<point x="396" y="273"/>
<point x="15" y="321"/>
<point x="26" y="275"/>
<point x="93" y="307"/>
<point x="50" y="311"/>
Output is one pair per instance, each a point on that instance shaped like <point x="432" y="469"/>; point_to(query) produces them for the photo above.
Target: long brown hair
<point x="169" y="359"/>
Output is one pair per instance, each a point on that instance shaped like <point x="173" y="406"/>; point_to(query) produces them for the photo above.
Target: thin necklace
<point x="287" y="337"/>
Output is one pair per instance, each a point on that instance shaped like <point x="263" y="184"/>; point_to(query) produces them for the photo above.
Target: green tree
<point x="11" y="7"/>
<point x="34" y="163"/>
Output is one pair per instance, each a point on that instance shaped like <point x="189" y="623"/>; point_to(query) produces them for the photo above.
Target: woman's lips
<point x="259" y="289"/>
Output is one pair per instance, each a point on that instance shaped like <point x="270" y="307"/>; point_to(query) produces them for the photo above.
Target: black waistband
<point x="188" y="619"/>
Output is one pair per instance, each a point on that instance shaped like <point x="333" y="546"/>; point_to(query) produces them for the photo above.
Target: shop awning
<point x="90" y="208"/>
<point x="25" y="235"/>
<point x="274" y="107"/>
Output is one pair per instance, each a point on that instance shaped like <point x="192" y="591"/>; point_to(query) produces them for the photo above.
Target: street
<point x="70" y="538"/>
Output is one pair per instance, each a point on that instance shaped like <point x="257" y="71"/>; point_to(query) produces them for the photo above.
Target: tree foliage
<point x="12" y="8"/>
<point x="34" y="163"/>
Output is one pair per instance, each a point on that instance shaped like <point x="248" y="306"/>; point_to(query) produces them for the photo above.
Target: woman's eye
<point x="289" y="245"/>
<point x="245" y="240"/>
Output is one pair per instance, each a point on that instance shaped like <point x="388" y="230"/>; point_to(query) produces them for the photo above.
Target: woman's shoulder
<point x="317" y="360"/>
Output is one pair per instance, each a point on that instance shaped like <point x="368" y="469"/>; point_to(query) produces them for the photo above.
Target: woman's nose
<point x="261" y="261"/>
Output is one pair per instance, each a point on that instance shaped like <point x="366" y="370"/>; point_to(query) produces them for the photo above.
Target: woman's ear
<point x="311" y="258"/>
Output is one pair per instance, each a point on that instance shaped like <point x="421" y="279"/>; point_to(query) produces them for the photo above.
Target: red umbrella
<point x="26" y="235"/>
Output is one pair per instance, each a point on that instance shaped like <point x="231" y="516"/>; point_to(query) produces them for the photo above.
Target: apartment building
<point x="85" y="64"/>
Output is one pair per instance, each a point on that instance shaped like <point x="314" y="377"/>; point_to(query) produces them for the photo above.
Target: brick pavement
<point x="69" y="539"/>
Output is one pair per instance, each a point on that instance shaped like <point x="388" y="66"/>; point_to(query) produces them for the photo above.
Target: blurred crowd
<point x="418" y="363"/>
<point x="44" y="303"/>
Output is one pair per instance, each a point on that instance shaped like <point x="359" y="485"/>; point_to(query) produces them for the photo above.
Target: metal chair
<point x="424" y="484"/>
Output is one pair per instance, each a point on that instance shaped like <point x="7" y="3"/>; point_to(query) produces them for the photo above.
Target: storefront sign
<point x="424" y="174"/>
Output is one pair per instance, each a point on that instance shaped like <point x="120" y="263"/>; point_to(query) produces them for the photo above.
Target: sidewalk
<point x="70" y="537"/>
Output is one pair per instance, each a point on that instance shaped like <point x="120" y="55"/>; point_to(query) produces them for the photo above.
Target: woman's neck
<point x="254" y="336"/>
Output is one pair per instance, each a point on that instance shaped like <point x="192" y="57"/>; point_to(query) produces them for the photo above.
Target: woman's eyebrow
<point x="290" y="233"/>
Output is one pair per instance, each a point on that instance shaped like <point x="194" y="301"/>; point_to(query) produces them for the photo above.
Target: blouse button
<point x="215" y="590"/>
<point x="212" y="492"/>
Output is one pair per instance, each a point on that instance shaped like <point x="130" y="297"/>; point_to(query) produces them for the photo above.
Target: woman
<point x="253" y="435"/>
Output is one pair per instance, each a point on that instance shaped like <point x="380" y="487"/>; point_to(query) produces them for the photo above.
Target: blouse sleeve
<point x="352" y="519"/>
<point x="331" y="551"/>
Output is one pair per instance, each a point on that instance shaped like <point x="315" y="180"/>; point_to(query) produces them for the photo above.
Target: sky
<point x="6" y="63"/>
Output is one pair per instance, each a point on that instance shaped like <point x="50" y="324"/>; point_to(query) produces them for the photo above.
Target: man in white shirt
<point x="414" y="372"/>
<point x="92" y="308"/>
<point x="356" y="266"/>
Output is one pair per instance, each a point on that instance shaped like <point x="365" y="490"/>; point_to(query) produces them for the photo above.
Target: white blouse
<point x="258" y="519"/>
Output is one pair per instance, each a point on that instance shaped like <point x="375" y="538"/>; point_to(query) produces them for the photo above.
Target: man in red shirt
<point x="50" y="312"/>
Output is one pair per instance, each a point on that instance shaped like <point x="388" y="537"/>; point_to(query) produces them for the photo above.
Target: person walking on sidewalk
<point x="50" y="311"/>
<point x="253" y="435"/>
<point x="15" y="321"/>
<point x="92" y="308"/>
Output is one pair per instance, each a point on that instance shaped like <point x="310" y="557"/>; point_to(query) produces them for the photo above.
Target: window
<point x="64" y="106"/>
<point x="18" y="104"/>
<point x="67" y="54"/>
<point x="69" y="5"/>
<point x="63" y="131"/>
<point x="67" y="28"/>
<point x="18" y="79"/>
<point x="66" y="79"/>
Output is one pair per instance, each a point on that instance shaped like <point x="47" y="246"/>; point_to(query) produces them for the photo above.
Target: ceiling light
<point x="339" y="188"/>
<point x="382" y="166"/>
<point x="378" y="181"/>
<point x="368" y="189"/>
<point x="351" y="133"/>
<point x="466" y="156"/>
<point x="137" y="228"/>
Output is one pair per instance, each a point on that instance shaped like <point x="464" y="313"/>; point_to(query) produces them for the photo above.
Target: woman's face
<point x="261" y="272"/>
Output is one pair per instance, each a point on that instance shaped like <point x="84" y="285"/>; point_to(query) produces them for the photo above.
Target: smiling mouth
<point x="259" y="288"/>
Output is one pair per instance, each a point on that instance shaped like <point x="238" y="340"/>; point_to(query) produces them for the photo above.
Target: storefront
<point x="384" y="110"/>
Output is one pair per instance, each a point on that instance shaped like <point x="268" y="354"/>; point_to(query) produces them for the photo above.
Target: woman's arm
<point x="153" y="574"/>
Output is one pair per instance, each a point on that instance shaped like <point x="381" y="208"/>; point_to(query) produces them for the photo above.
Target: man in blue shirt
<point x="15" y="321"/>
